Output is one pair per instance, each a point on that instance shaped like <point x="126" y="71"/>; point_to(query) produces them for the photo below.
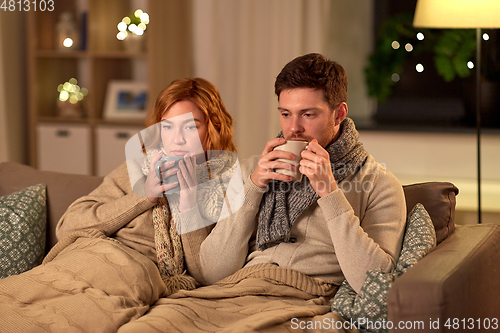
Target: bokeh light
<point x="71" y="91"/>
<point x="136" y="24"/>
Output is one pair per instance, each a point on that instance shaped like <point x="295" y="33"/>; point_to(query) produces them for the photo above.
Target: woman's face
<point x="184" y="129"/>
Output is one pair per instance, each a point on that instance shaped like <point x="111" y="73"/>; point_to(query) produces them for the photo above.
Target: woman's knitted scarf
<point x="210" y="201"/>
<point x="285" y="201"/>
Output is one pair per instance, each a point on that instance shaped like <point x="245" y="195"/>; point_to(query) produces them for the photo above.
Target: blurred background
<point x="77" y="77"/>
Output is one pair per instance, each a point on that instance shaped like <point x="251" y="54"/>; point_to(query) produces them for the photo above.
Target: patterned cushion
<point x="371" y="303"/>
<point x="22" y="230"/>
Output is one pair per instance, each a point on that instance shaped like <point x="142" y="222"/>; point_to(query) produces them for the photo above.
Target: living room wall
<point x="13" y="106"/>
<point x="242" y="45"/>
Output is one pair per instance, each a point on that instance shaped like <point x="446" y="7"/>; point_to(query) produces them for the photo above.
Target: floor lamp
<point x="463" y="14"/>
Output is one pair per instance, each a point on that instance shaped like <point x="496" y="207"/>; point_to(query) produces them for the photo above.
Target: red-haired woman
<point x="120" y="247"/>
<point x="188" y="120"/>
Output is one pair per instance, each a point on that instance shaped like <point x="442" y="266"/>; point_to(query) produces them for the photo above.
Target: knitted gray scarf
<point x="285" y="201"/>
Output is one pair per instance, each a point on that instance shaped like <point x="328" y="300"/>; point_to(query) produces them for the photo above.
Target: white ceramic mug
<point x="294" y="147"/>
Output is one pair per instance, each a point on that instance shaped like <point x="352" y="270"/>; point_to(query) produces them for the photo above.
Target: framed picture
<point x="126" y="100"/>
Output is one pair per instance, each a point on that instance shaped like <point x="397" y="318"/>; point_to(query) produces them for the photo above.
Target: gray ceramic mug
<point x="173" y="178"/>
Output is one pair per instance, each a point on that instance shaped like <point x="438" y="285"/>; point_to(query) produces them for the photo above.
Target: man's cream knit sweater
<point x="357" y="228"/>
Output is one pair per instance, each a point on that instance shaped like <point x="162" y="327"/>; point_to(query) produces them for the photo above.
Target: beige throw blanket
<point x="259" y="298"/>
<point x="64" y="293"/>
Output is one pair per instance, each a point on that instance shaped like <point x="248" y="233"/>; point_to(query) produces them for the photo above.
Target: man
<point x="347" y="215"/>
<point x="276" y="262"/>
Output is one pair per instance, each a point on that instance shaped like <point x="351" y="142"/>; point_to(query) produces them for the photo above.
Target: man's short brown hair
<point x="315" y="71"/>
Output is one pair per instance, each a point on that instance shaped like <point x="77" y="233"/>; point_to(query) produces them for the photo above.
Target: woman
<point x="193" y="109"/>
<point x="192" y="120"/>
<point x="119" y="251"/>
<point x="189" y="122"/>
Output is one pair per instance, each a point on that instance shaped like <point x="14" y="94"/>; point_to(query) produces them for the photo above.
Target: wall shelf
<point x="101" y="59"/>
<point x="60" y="54"/>
<point x="118" y="54"/>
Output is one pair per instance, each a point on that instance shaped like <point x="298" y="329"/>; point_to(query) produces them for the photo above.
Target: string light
<point x="68" y="42"/>
<point x="136" y="24"/>
<point x="71" y="91"/>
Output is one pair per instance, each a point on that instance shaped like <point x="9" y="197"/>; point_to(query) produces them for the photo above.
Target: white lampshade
<point x="465" y="14"/>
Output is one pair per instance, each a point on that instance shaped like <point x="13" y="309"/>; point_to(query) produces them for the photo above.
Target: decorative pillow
<point x="23" y="220"/>
<point x="368" y="309"/>
<point x="439" y="199"/>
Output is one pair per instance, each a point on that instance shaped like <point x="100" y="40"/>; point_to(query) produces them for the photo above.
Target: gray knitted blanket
<point x="283" y="202"/>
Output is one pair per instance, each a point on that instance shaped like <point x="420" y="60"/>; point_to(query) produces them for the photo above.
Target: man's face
<point x="305" y="115"/>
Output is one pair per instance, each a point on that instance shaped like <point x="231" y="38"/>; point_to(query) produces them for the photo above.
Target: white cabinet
<point x="64" y="148"/>
<point x="110" y="146"/>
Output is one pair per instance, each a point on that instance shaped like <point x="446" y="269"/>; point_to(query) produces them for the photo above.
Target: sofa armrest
<point x="459" y="279"/>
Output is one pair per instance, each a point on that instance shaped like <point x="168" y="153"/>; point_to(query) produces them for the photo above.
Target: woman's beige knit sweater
<point x="117" y="211"/>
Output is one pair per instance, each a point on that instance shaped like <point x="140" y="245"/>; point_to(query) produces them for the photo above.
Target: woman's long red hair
<point x="206" y="97"/>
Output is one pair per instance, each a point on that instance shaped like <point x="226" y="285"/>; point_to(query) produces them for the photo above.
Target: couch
<point x="457" y="285"/>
